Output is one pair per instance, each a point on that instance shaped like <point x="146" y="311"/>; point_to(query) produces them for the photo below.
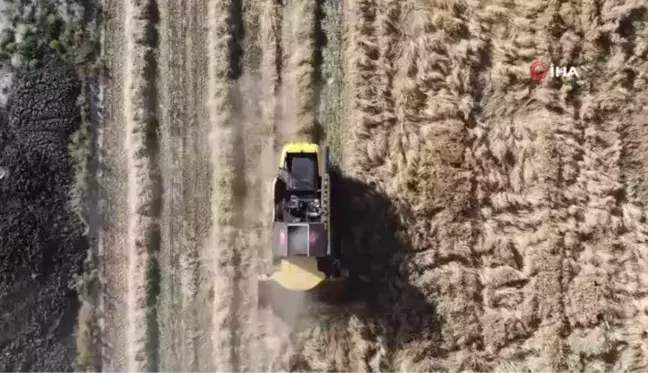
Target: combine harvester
<point x="306" y="260"/>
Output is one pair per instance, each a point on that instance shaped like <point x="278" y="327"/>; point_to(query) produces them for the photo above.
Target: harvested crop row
<point x="113" y="175"/>
<point x="256" y="107"/>
<point x="185" y="165"/>
<point x="269" y="331"/>
<point x="247" y="169"/>
<point x="256" y="166"/>
<point x="140" y="106"/>
<point x="130" y="240"/>
<point x="176" y="290"/>
<point x="171" y="327"/>
<point x="271" y="64"/>
<point x="226" y="187"/>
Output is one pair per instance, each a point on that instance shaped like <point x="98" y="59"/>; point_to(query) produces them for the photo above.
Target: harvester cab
<point x="305" y="260"/>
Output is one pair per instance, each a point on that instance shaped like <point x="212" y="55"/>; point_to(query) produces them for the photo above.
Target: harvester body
<point x="304" y="257"/>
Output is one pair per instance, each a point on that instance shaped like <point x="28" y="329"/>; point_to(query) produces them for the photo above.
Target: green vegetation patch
<point x="34" y="30"/>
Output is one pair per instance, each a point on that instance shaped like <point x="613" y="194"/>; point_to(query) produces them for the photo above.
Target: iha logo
<point x="540" y="70"/>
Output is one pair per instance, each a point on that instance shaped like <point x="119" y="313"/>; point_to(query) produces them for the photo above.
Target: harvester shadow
<point x="375" y="249"/>
<point x="370" y="235"/>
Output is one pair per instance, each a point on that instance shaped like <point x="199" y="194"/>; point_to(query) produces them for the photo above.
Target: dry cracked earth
<point x="500" y="221"/>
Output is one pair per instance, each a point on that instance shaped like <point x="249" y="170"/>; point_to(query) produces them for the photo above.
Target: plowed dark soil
<point x="41" y="238"/>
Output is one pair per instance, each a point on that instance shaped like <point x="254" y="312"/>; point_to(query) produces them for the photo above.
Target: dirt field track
<point x="501" y="221"/>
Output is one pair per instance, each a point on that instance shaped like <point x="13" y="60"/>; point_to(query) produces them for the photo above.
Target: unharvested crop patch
<point x="515" y="195"/>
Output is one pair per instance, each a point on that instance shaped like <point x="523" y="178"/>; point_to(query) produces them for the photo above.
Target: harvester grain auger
<point x="306" y="259"/>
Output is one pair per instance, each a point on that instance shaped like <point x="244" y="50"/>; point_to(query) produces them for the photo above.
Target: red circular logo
<point x="313" y="237"/>
<point x="538" y="70"/>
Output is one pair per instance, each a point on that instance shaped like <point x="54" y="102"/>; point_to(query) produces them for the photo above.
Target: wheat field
<point x="500" y="220"/>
